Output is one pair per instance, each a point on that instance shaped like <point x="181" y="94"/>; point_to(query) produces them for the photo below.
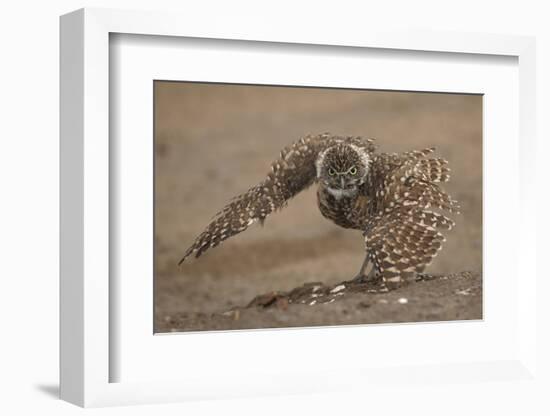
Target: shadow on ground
<point x="51" y="390"/>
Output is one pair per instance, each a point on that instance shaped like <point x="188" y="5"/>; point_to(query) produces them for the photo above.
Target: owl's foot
<point x="362" y="278"/>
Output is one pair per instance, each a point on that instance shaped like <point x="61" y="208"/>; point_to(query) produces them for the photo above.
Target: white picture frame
<point x="87" y="356"/>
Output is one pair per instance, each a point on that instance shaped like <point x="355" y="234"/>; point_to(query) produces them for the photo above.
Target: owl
<point x="391" y="198"/>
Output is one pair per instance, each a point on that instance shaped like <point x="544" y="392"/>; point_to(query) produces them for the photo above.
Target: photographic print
<point x="287" y="206"/>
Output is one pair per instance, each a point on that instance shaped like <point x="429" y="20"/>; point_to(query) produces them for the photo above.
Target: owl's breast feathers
<point x="338" y="210"/>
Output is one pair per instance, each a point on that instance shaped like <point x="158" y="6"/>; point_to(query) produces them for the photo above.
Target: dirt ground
<point x="213" y="142"/>
<point x="431" y="298"/>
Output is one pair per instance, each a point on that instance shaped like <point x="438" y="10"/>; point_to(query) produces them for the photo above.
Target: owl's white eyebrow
<point x="343" y="173"/>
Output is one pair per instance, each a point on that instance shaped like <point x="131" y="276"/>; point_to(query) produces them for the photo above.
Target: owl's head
<point x="342" y="168"/>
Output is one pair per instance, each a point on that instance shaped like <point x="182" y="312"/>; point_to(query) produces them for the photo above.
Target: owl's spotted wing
<point x="403" y="244"/>
<point x="291" y="173"/>
<point x="402" y="235"/>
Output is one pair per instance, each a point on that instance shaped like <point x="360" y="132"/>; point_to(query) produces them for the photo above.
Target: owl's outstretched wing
<point x="291" y="173"/>
<point x="402" y="236"/>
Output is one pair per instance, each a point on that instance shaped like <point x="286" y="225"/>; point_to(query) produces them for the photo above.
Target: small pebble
<point x="313" y="302"/>
<point x="402" y="300"/>
<point x="338" y="288"/>
<point x="316" y="288"/>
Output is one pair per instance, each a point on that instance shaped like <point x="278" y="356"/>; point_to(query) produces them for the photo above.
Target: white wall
<point x="29" y="185"/>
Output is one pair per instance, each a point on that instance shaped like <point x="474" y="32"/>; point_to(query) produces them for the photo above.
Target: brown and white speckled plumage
<point x="389" y="197"/>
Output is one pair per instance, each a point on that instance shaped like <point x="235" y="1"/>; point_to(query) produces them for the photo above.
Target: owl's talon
<point x="363" y="278"/>
<point x="360" y="278"/>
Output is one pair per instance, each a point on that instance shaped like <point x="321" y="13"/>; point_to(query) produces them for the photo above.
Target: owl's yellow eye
<point x="352" y="171"/>
<point x="331" y="172"/>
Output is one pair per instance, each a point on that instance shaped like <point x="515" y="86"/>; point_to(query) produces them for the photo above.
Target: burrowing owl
<point x="389" y="197"/>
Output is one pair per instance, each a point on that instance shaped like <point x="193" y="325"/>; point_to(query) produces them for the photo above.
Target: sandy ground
<point x="433" y="298"/>
<point x="215" y="141"/>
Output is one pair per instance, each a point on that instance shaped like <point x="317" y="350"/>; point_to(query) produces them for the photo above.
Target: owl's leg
<point x="363" y="267"/>
<point x="372" y="275"/>
<point x="361" y="277"/>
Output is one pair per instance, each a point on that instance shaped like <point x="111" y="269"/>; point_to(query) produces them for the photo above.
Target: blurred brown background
<point x="214" y="141"/>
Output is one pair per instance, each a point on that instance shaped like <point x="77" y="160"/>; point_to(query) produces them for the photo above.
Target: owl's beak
<point x="343" y="183"/>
